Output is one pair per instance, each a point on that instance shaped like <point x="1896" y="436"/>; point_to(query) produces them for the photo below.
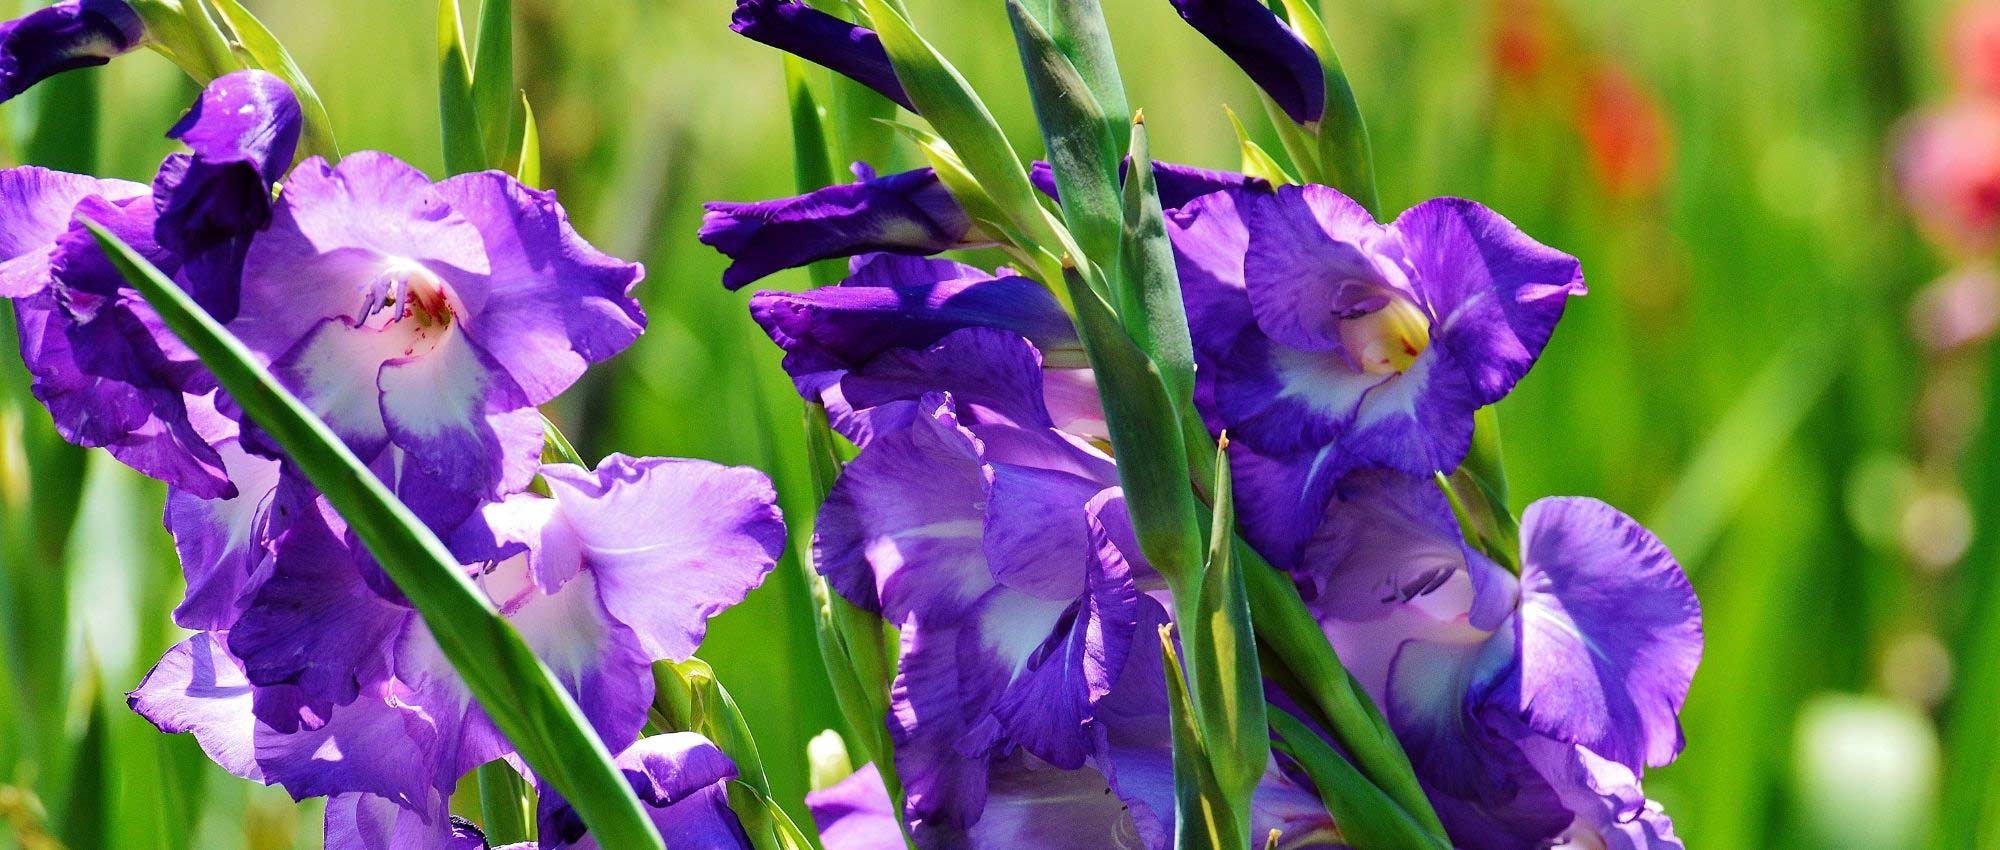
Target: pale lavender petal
<point x="670" y="542"/>
<point x="1610" y="634"/>
<point x="35" y="208"/>
<point x="222" y="542"/>
<point x="461" y="418"/>
<point x="903" y="527"/>
<point x="856" y="813"/>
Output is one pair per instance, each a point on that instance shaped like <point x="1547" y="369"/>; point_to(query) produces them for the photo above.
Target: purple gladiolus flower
<point x="431" y="318"/>
<point x="818" y="37"/>
<point x="1328" y="342"/>
<point x="1528" y="706"/>
<point x="1029" y="706"/>
<point x="242" y="134"/>
<point x="906" y="213"/>
<point x="1266" y="49"/>
<point x="327" y="683"/>
<point x="68" y="35"/>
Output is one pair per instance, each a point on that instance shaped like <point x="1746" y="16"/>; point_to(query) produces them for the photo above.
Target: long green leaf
<point x="1344" y="153"/>
<point x="464" y="148"/>
<point x="1233" y="712"/>
<point x="1972" y="768"/>
<point x="493" y="90"/>
<point x="511" y="684"/>
<point x="1146" y="437"/>
<point x="1202" y="815"/>
<point x="1150" y="287"/>
<point x="1081" y="33"/>
<point x="527" y="146"/>
<point x="1080" y="145"/>
<point x="264" y="49"/>
<point x="504" y="806"/>
<point x="1368" y="820"/>
<point x="947" y="101"/>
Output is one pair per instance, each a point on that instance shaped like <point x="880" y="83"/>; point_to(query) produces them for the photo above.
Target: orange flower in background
<point x="1625" y="131"/>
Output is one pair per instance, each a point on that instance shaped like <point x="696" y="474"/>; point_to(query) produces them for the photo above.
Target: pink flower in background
<point x="1948" y="167"/>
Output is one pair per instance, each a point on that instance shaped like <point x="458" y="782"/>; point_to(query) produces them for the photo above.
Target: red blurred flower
<point x="1625" y="132"/>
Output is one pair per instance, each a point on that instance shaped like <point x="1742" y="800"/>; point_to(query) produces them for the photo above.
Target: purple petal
<point x="366" y="746"/>
<point x="679" y="777"/>
<point x="36" y="206"/>
<point x="1037" y="530"/>
<point x="335" y="232"/>
<point x="1612" y="811"/>
<point x="1485" y="790"/>
<point x="155" y="429"/>
<point x="909" y="212"/>
<point x="243" y="131"/>
<point x="1609" y="630"/>
<point x="670" y="542"/>
<point x="1310" y="249"/>
<point x="1267" y="50"/>
<point x="994" y="378"/>
<point x="1388" y="538"/>
<point x="369" y="822"/>
<point x="1055" y="695"/>
<point x="945" y="791"/>
<point x="222" y="542"/>
<point x="817" y="37"/>
<point x="315" y="623"/>
<point x="903" y="527"/>
<point x="856" y="813"/>
<point x="596" y="658"/>
<point x="68" y="35"/>
<point x="554" y="303"/>
<point x="461" y="418"/>
<point x="1497" y="292"/>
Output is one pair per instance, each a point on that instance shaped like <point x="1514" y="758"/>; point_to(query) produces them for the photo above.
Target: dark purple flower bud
<point x="818" y="37"/>
<point x="242" y="133"/>
<point x="1274" y="57"/>
<point x="63" y="37"/>
<point x="907" y="213"/>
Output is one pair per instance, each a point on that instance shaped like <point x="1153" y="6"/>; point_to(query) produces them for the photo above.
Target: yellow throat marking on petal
<point x="1387" y="341"/>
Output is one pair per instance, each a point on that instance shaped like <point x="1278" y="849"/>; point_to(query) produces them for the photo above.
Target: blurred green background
<point x="1743" y="377"/>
